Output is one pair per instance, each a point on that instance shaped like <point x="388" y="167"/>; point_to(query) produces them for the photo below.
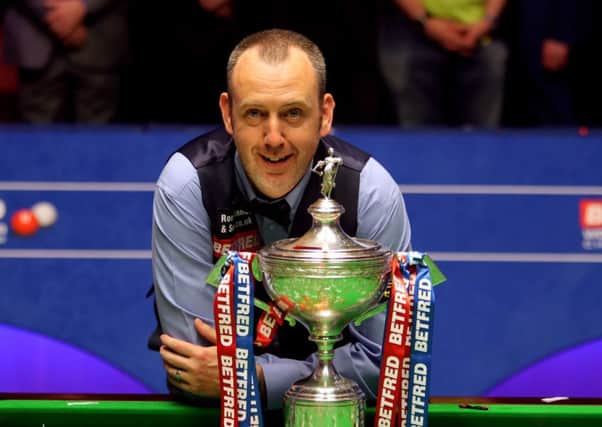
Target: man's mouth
<point x="276" y="159"/>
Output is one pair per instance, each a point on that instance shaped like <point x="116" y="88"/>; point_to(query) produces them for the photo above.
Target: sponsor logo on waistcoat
<point x="236" y="230"/>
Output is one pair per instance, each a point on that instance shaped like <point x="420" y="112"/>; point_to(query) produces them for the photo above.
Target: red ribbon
<point x="223" y="310"/>
<point x="391" y="403"/>
<point x="268" y="323"/>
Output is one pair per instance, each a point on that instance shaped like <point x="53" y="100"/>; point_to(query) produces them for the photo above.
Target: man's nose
<point x="273" y="132"/>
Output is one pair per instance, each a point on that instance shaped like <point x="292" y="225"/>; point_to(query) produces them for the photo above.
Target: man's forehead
<point x="264" y="75"/>
<point x="253" y="56"/>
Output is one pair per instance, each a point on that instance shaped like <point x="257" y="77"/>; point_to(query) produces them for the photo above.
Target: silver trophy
<point x="331" y="279"/>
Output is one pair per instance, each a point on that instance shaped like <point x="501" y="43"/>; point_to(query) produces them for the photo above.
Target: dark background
<point x="179" y="53"/>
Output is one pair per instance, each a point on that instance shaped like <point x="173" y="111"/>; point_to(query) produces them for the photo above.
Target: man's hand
<point x="554" y="54"/>
<point x="475" y="32"/>
<point x="77" y="38"/>
<point x="449" y="34"/>
<point x="64" y="16"/>
<point x="192" y="367"/>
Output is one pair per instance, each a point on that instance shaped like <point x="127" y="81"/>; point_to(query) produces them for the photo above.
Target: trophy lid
<point x="326" y="240"/>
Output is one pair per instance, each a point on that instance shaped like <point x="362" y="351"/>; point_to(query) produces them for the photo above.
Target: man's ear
<point x="226" y="109"/>
<point x="327" y="114"/>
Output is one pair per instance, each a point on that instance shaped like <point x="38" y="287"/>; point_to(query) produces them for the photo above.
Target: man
<point x="70" y="55"/>
<point x="277" y="117"/>
<point x="442" y="63"/>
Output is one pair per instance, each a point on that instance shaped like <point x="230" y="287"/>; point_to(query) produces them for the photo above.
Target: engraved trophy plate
<point x="331" y="279"/>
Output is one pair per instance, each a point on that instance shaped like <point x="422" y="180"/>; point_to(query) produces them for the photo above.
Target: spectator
<point x="69" y="54"/>
<point x="542" y="61"/>
<point x="442" y="62"/>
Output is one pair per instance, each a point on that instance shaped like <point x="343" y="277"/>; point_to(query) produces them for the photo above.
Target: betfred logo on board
<point x="590" y="213"/>
<point x="590" y="219"/>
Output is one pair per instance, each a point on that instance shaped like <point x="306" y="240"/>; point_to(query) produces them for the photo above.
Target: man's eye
<point x="253" y="116"/>
<point x="293" y="113"/>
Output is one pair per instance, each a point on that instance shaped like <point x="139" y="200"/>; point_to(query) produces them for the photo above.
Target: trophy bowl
<point x="329" y="279"/>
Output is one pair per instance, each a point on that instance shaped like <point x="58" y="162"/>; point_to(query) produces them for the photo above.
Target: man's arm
<point x="182" y="260"/>
<point x="182" y="252"/>
<point x="65" y="18"/>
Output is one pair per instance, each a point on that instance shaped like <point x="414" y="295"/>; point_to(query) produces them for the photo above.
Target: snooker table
<point x="17" y="410"/>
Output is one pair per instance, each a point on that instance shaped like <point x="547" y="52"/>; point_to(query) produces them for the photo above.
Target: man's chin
<point x="275" y="190"/>
<point x="275" y="194"/>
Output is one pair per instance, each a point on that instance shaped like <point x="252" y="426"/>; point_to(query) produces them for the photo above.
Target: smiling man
<point x="248" y="184"/>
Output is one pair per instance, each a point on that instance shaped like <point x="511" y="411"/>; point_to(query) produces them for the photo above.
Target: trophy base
<point x="308" y="403"/>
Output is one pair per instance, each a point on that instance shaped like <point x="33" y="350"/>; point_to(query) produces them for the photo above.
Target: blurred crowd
<point x="412" y="63"/>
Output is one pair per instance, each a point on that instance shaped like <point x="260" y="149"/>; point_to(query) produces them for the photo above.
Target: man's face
<point x="276" y="118"/>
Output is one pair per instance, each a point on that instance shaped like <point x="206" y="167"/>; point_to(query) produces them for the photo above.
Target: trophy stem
<point x="325" y="345"/>
<point x="325" y="398"/>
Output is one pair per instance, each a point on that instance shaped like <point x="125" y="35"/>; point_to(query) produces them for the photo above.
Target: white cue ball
<point x="45" y="213"/>
<point x="2" y="208"/>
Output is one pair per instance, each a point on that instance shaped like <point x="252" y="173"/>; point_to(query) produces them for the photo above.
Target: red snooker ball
<point x="24" y="223"/>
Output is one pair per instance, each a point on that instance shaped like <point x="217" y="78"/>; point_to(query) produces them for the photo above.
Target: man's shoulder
<point x="376" y="173"/>
<point x="181" y="169"/>
<point x="177" y="175"/>
<point x="214" y="146"/>
<point x="353" y="157"/>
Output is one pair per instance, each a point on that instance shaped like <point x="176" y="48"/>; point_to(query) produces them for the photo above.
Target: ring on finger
<point x="178" y="378"/>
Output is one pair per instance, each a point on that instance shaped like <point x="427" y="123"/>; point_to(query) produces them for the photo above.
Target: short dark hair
<point x="274" y="46"/>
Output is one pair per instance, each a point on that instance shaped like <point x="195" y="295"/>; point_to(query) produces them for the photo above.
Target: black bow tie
<point x="277" y="211"/>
